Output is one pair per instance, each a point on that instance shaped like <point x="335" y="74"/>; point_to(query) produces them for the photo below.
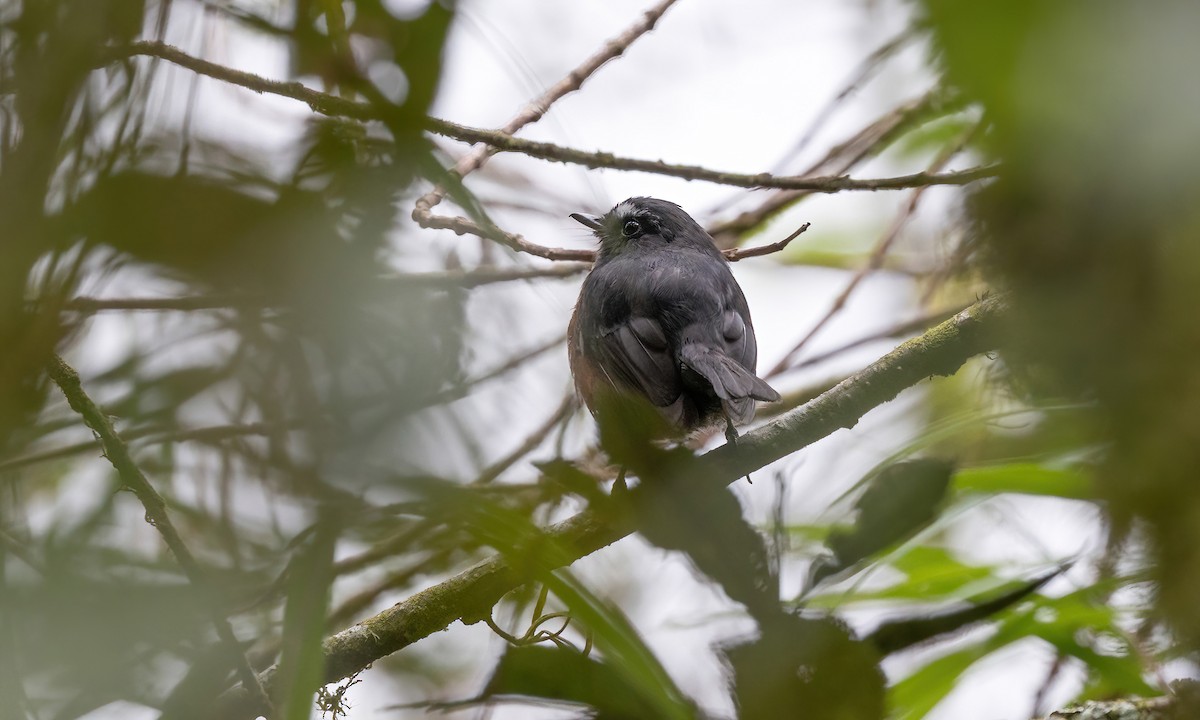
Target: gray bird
<point x="661" y="317"/>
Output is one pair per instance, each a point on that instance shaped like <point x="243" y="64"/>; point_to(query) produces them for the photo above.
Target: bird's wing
<point x="636" y="354"/>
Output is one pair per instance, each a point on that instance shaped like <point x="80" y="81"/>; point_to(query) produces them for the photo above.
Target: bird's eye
<point x="631" y="229"/>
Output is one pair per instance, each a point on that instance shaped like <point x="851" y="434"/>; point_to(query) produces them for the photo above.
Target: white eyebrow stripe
<point x="624" y="209"/>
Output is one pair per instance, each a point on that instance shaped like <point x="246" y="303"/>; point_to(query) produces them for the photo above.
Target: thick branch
<point x="1159" y="708"/>
<point x="470" y="594"/>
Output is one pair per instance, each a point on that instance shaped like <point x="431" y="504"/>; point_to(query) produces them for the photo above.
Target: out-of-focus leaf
<point x="623" y="647"/>
<point x="932" y="136"/>
<point x="913" y="697"/>
<point x="1061" y="622"/>
<point x="557" y="673"/>
<point x="895" y="635"/>
<point x="678" y="506"/>
<point x="574" y="480"/>
<point x="901" y="499"/>
<point x="1025" y="478"/>
<point x="213" y="233"/>
<point x="810" y="668"/>
<point x="302" y="661"/>
<point x="679" y="509"/>
<point x="535" y="556"/>
<point x="1064" y="621"/>
<point x="931" y="574"/>
<point x="205" y="680"/>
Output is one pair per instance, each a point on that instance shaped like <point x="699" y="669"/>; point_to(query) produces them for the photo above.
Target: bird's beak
<point x="592" y="221"/>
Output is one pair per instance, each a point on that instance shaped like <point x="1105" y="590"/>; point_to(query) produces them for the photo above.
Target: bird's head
<point x="644" y="223"/>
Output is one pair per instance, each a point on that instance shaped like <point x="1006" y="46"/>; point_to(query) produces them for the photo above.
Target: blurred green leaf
<point x="931" y="574"/>
<point x="930" y="137"/>
<point x="302" y="661"/>
<point x="623" y="647"/>
<point x="556" y="673"/>
<point x="1027" y="479"/>
<point x="806" y="667"/>
<point x="1060" y="621"/>
<point x="679" y="508"/>
<point x="898" y="501"/>
<point x="916" y="695"/>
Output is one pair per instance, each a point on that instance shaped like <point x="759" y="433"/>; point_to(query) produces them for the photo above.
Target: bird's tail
<point x="734" y="384"/>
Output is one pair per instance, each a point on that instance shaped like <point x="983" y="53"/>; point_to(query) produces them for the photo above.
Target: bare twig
<point x="144" y="436"/>
<point x="905" y="328"/>
<point x="877" y="254"/>
<point x="461" y="389"/>
<point x="464" y="279"/>
<point x="791" y="187"/>
<point x="131" y="477"/>
<point x="497" y="140"/>
<point x="735" y="254"/>
<point x="538" y="107"/>
<point x="465" y="226"/>
<point x="320" y="102"/>
<point x="807" y="183"/>
<point x="861" y="75"/>
<point x="18" y="550"/>
<point x="531" y="443"/>
<point x="838" y="161"/>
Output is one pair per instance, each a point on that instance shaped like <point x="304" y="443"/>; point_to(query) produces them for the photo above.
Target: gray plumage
<point x="661" y="315"/>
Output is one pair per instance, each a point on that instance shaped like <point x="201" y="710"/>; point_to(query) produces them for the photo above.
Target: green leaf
<point x="913" y="697"/>
<point x="1027" y="479"/>
<point x="302" y="662"/>
<point x="558" y="673"/>
<point x="931" y="574"/>
<point x="899" y="500"/>
<point x="623" y="647"/>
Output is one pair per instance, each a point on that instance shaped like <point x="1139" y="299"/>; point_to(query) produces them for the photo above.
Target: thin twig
<point x="460" y="390"/>
<point x="131" y="477"/>
<point x="838" y="161"/>
<point x="735" y="254"/>
<point x="868" y="67"/>
<point x="539" y="106"/>
<point x="875" y="260"/>
<point x="466" y="226"/>
<point x="496" y="140"/>
<point x="791" y="188"/>
<point x="808" y="183"/>
<point x="18" y="550"/>
<point x="145" y="436"/>
<point x="531" y="443"/>
<point x="905" y="328"/>
<point x="319" y="102"/>
<point x="461" y="279"/>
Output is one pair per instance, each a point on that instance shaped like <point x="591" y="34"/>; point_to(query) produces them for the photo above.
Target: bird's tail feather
<point x="733" y="383"/>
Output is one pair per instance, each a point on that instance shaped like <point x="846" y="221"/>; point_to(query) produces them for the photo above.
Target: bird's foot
<point x="619" y="487"/>
<point x="731" y="433"/>
<point x="731" y="437"/>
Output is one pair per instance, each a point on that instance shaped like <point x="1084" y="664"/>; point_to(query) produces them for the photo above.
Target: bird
<point x="661" y="318"/>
